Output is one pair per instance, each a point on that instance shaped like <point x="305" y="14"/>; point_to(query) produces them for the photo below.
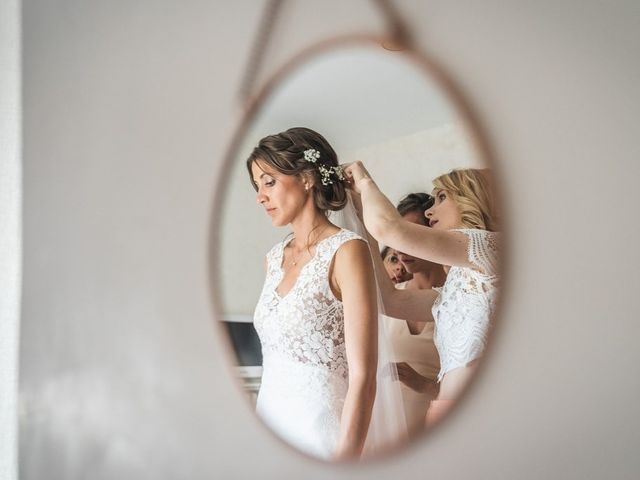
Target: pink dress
<point x="420" y="352"/>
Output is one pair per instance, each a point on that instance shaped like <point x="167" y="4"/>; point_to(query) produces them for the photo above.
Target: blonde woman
<point x="463" y="236"/>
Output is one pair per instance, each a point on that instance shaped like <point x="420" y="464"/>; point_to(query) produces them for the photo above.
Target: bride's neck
<point x="309" y="227"/>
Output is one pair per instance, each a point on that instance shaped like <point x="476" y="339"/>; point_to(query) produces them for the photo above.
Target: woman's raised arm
<point x="387" y="226"/>
<point x="414" y="306"/>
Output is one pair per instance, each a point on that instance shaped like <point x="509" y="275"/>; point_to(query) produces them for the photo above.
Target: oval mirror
<point x="306" y="367"/>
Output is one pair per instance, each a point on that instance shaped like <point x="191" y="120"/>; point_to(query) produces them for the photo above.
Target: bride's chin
<point x="281" y="220"/>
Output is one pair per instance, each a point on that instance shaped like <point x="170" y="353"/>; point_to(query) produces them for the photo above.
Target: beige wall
<point x="128" y="108"/>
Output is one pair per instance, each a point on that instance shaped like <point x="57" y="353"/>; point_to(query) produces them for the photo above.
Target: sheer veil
<point x="388" y="425"/>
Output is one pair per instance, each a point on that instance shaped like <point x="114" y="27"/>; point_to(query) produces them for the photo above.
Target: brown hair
<point x="416" y="202"/>
<point x="285" y="153"/>
<point x="472" y="191"/>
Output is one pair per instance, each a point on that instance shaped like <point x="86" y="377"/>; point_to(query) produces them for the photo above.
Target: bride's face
<point x="282" y="196"/>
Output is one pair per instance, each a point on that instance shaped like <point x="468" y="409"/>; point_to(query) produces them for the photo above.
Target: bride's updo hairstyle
<point x="472" y="191"/>
<point x="285" y="153"/>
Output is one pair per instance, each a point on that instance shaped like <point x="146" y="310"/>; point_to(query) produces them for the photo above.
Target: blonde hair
<point x="472" y="191"/>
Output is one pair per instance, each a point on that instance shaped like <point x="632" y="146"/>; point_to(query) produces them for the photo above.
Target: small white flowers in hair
<point x="312" y="155"/>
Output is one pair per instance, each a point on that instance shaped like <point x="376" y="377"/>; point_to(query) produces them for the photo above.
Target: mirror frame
<point x="478" y="142"/>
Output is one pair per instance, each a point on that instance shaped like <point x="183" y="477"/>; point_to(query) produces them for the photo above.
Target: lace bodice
<point x="307" y="324"/>
<point x="463" y="310"/>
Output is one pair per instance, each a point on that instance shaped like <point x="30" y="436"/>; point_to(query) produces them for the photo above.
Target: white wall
<point x="409" y="163"/>
<point x="128" y="108"/>
<point x="10" y="234"/>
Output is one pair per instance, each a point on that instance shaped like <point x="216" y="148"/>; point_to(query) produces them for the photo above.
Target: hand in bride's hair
<point x="356" y="175"/>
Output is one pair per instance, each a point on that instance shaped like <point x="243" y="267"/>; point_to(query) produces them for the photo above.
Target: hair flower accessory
<point x="312" y="155"/>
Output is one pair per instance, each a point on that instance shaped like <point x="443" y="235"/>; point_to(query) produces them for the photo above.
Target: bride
<point x="317" y="315"/>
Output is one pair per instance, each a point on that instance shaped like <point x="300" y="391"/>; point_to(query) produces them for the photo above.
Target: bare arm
<point x="388" y="227"/>
<point x="354" y="277"/>
<point x="414" y="306"/>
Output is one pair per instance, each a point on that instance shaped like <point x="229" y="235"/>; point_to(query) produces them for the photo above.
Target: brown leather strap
<point x="398" y="39"/>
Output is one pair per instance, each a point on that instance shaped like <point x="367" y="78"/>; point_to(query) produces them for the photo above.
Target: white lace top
<point x="463" y="310"/>
<point x="307" y="324"/>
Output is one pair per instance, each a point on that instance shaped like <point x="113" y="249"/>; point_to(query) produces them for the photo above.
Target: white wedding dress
<point x="305" y="371"/>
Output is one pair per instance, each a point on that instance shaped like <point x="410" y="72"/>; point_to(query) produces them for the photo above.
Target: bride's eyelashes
<point x="266" y="183"/>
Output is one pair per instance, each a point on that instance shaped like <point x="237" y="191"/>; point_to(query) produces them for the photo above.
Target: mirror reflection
<point x="359" y="255"/>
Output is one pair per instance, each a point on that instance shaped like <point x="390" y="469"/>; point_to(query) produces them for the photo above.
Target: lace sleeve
<point x="483" y="250"/>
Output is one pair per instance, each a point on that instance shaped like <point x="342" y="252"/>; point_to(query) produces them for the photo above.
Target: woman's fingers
<point x="403" y="370"/>
<point x="404" y="367"/>
<point x="354" y="173"/>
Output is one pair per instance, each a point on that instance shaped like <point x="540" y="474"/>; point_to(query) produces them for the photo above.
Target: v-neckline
<point x="406" y="327"/>
<point x="281" y="266"/>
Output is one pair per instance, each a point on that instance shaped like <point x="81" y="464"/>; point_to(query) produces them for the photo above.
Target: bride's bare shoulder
<point x="352" y="270"/>
<point x="353" y="253"/>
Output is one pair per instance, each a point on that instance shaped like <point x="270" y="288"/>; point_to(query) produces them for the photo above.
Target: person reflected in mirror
<point x="416" y="355"/>
<point x="464" y="236"/>
<point x="317" y="314"/>
<point x="395" y="269"/>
